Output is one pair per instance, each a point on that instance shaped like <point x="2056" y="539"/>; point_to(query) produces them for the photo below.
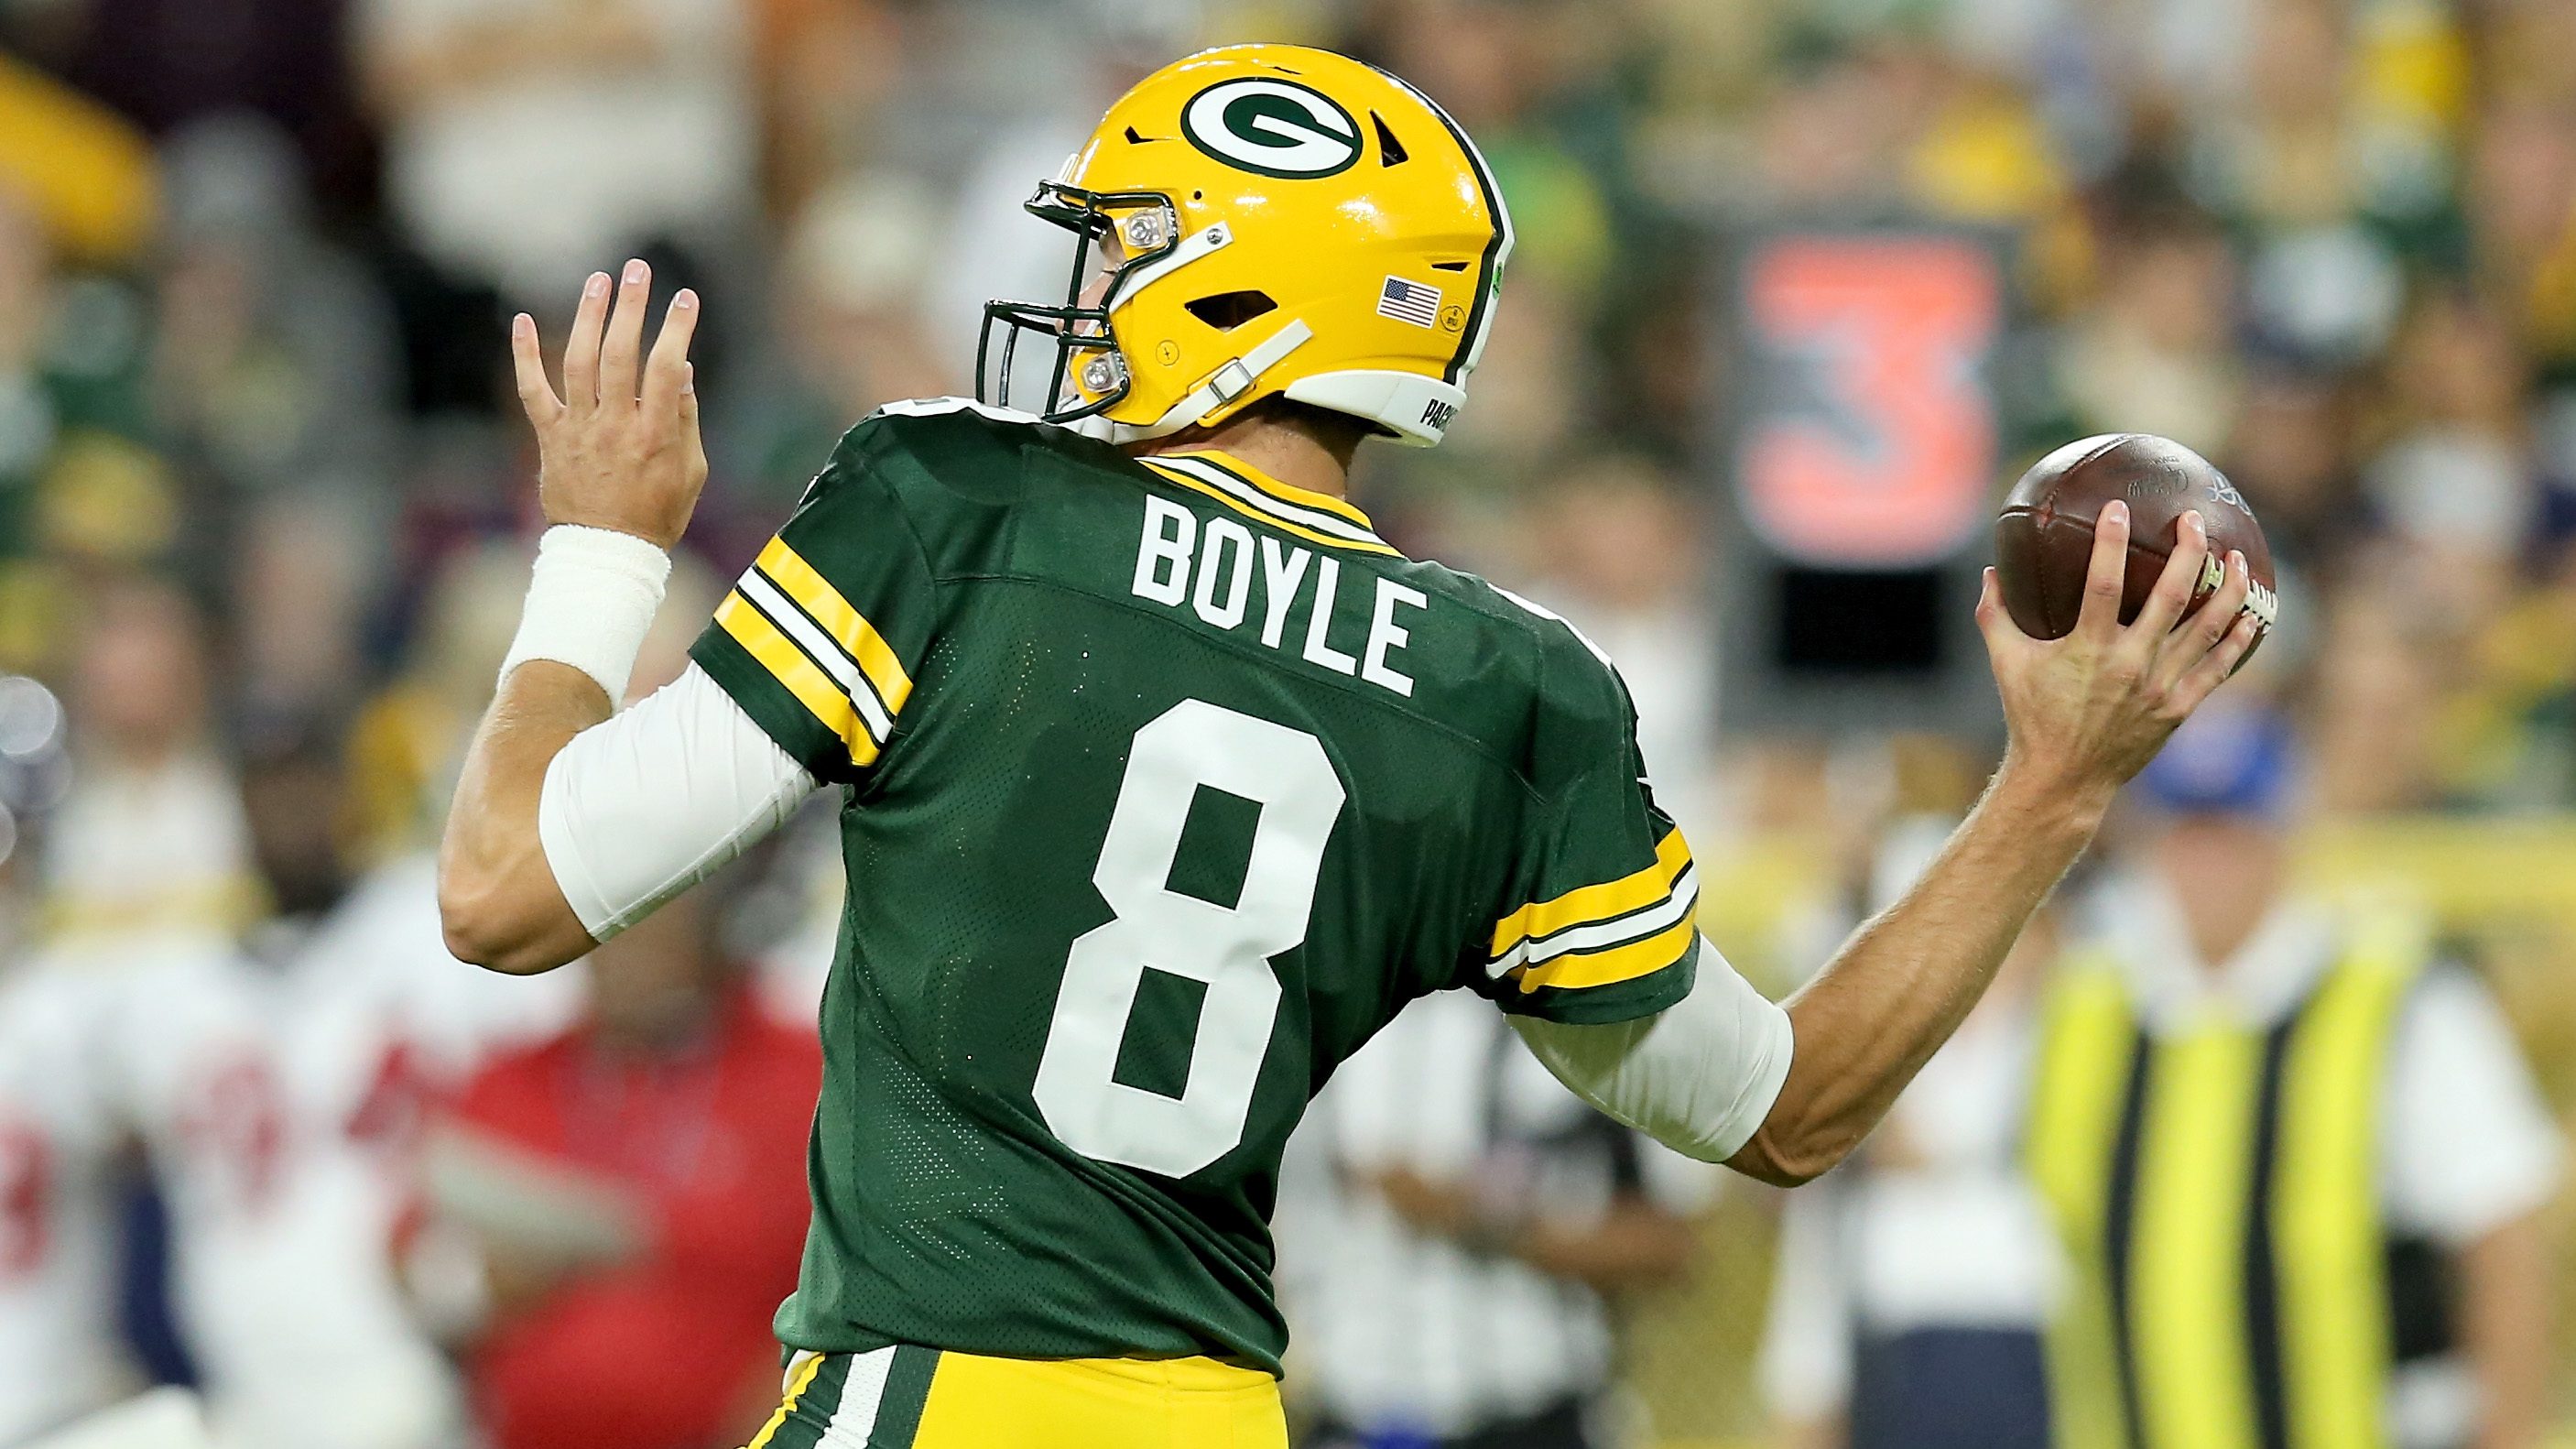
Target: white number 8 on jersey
<point x="1285" y="771"/>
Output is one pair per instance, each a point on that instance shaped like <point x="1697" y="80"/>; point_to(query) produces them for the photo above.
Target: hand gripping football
<point x="2044" y="535"/>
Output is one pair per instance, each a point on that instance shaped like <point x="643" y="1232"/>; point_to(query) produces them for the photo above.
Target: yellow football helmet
<point x="1266" y="221"/>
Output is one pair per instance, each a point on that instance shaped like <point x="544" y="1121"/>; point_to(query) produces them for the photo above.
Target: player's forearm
<point x="2504" y="1322"/>
<point x="497" y="896"/>
<point x="1832" y="1431"/>
<point x="1633" y="1244"/>
<point x="591" y="599"/>
<point x="1903" y="983"/>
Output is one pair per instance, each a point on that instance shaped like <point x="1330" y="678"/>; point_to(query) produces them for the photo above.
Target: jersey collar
<point x="1284" y="492"/>
<point x="1302" y="513"/>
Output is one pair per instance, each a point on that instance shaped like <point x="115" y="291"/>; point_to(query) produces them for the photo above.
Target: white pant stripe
<point x="855" y="1417"/>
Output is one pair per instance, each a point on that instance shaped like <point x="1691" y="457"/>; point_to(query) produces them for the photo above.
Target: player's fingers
<point x="581" y="349"/>
<point x="2204" y="631"/>
<point x="528" y="361"/>
<point x="2107" y="577"/>
<point x="1994" y="620"/>
<point x="695" y="440"/>
<point x="666" y="371"/>
<point x="622" y="354"/>
<point x="2180" y="580"/>
<point x="2203" y="678"/>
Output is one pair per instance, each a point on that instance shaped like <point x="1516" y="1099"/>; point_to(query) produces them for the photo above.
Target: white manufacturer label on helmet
<point x="1272" y="128"/>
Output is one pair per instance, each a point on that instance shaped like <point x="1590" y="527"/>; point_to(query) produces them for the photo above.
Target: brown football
<point x="2044" y="535"/>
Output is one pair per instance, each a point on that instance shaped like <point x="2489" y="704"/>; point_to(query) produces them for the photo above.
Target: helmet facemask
<point x="1089" y="375"/>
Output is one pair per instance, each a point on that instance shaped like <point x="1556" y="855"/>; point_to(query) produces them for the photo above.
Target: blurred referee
<point x="2296" y="1160"/>
<point x="1450" y="1216"/>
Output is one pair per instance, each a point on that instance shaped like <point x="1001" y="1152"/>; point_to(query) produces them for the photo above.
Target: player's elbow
<point x="511" y="953"/>
<point x="486" y="925"/>
<point x="498" y="905"/>
<point x="475" y="925"/>
<point x="1785" y="1156"/>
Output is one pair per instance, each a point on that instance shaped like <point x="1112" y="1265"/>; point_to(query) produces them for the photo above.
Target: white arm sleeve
<point x="1698" y="1076"/>
<point x="640" y="808"/>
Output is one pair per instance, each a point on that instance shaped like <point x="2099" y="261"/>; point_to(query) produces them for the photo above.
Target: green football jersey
<point x="1165" y="786"/>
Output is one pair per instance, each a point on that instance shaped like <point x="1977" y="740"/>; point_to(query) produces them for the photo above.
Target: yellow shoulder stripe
<point x="1174" y="475"/>
<point x="1597" y="902"/>
<point x="1578" y="969"/>
<point x="848" y="628"/>
<point x="799" y="675"/>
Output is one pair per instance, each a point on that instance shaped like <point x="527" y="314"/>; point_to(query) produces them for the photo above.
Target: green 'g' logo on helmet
<point x="1272" y="128"/>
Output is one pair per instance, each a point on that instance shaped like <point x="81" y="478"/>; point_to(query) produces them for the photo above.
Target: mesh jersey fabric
<point x="1166" y="786"/>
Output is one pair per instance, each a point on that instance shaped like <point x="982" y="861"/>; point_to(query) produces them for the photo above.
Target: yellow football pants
<point x="917" y="1398"/>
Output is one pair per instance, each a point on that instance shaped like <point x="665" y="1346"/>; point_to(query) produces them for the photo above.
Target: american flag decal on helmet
<point x="1409" y="302"/>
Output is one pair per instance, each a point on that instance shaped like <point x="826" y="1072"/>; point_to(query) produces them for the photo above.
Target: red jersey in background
<point x="708" y="1145"/>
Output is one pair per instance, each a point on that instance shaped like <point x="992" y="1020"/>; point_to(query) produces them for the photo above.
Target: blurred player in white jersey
<point x="58" y="1343"/>
<point x="58" y="1347"/>
<point x="298" y="1315"/>
<point x="88" y="1075"/>
<point x="302" y="1318"/>
<point x="275" y="1092"/>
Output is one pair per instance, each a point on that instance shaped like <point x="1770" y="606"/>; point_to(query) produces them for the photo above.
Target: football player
<point x="1166" y="780"/>
<point x="61" y="1145"/>
<point x="296" y="1312"/>
<point x="275" y="1090"/>
<point x="106" y="1048"/>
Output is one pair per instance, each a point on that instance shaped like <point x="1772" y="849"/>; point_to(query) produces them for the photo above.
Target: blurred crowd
<point x="265" y="513"/>
<point x="254" y="257"/>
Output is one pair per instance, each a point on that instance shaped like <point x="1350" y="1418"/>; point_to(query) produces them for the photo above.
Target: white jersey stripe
<point x="769" y="599"/>
<point x="1635" y="926"/>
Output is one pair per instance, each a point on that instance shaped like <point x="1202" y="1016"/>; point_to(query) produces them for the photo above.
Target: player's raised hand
<point x="2088" y="711"/>
<point x="619" y="448"/>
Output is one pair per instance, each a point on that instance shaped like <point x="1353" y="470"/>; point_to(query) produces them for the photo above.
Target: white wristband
<point x="590" y="602"/>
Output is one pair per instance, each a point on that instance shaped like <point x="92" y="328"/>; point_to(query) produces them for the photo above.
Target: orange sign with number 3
<point x="1883" y="452"/>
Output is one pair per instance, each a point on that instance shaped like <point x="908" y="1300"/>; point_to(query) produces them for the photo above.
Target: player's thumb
<point x="1995" y="621"/>
<point x="1990" y="609"/>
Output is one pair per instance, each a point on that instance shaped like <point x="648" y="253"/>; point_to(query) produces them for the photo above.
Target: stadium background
<point x="255" y="258"/>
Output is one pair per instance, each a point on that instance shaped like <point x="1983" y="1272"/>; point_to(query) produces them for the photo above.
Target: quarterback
<point x="1165" y="781"/>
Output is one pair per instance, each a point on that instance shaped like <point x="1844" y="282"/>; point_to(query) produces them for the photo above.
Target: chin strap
<point x="1223" y="386"/>
<point x="1235" y="378"/>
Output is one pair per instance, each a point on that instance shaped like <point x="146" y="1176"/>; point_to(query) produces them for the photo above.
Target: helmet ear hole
<point x="1226" y="311"/>
<point x="1390" y="151"/>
